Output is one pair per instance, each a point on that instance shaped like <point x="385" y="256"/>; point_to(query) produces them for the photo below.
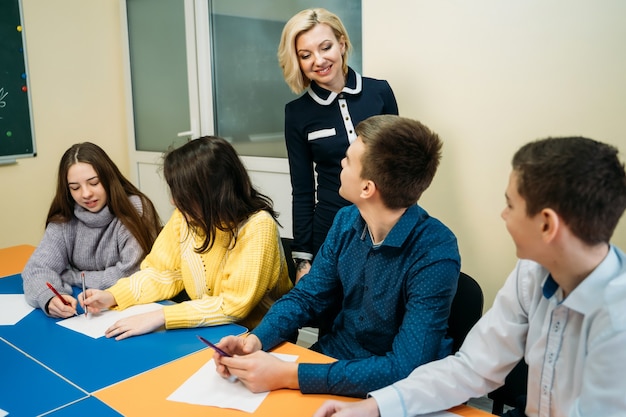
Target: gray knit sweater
<point x="95" y="243"/>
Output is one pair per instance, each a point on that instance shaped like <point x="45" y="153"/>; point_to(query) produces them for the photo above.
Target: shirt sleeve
<point x="302" y="182"/>
<point x="47" y="263"/>
<point x="391" y="105"/>
<point x="316" y="292"/>
<point x="160" y="275"/>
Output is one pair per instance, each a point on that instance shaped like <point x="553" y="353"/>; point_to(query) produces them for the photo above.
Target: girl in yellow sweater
<point x="221" y="246"/>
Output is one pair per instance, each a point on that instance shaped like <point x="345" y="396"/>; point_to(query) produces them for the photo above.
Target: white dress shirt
<point x="575" y="349"/>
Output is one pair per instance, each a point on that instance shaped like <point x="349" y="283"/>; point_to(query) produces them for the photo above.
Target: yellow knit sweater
<point x="226" y="285"/>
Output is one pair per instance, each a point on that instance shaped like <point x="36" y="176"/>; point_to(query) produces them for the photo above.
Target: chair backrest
<point x="466" y="309"/>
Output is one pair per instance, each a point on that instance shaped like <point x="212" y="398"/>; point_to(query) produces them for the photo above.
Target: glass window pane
<point x="156" y="31"/>
<point x="249" y="91"/>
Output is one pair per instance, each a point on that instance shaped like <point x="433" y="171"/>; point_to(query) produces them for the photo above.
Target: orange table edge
<point x="14" y="258"/>
<point x="146" y="394"/>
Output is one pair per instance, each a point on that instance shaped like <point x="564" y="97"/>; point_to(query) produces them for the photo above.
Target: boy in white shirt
<point x="563" y="308"/>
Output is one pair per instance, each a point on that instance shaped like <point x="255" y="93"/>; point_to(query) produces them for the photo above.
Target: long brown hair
<point x="144" y="226"/>
<point x="212" y="188"/>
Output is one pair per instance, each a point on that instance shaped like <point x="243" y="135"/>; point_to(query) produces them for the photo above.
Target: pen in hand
<point x="211" y="345"/>
<point x="82" y="278"/>
<point x="67" y="303"/>
<point x="220" y="352"/>
<point x="63" y="300"/>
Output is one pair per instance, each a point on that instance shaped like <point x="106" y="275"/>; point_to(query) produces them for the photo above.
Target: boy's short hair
<point x="579" y="178"/>
<point x="401" y="157"/>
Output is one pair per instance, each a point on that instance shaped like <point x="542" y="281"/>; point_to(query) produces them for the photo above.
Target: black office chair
<point x="513" y="392"/>
<point x="466" y="309"/>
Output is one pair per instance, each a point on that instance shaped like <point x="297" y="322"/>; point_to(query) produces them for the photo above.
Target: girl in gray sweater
<point x="98" y="224"/>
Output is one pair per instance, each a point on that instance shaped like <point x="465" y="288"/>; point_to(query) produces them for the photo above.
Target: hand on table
<point x="334" y="408"/>
<point x="136" y="325"/>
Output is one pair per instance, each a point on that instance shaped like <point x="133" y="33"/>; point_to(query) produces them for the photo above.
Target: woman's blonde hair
<point x="300" y="23"/>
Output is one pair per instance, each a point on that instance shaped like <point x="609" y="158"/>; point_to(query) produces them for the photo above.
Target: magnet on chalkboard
<point x="23" y="76"/>
<point x="24" y="88"/>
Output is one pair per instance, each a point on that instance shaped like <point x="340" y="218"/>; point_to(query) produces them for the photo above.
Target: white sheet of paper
<point x="94" y="325"/>
<point x="206" y="387"/>
<point x="3" y="413"/>
<point x="13" y="308"/>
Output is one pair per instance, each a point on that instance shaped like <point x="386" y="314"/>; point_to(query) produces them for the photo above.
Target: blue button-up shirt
<point x="394" y="302"/>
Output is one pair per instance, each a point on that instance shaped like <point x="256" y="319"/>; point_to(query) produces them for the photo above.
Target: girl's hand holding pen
<point x="62" y="306"/>
<point x="94" y="301"/>
<point x="62" y="309"/>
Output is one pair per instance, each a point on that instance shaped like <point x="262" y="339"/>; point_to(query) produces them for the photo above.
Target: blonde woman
<point x="319" y="125"/>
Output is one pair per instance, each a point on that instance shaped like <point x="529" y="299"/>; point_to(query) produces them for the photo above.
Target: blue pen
<point x="232" y="378"/>
<point x="218" y="350"/>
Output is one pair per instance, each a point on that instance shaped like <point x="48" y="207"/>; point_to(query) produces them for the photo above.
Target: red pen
<point x="67" y="303"/>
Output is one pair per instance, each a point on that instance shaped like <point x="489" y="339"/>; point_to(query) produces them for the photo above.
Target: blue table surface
<point x="93" y="364"/>
<point x="29" y="389"/>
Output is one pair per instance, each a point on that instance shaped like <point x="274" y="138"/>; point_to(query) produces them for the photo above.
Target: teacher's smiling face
<point x="86" y="188"/>
<point x="320" y="55"/>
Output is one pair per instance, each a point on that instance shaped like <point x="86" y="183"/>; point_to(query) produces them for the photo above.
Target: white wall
<point x="489" y="76"/>
<point x="486" y="75"/>
<point x="76" y="84"/>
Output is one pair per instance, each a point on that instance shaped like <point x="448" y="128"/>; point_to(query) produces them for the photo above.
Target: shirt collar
<point x="324" y="97"/>
<point x="401" y="230"/>
<point x="589" y="294"/>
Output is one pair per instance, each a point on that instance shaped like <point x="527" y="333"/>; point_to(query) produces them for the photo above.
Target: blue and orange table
<point x="53" y="371"/>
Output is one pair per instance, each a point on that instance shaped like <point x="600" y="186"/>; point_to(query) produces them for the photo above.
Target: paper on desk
<point x="206" y="387"/>
<point x="96" y="324"/>
<point x="13" y="308"/>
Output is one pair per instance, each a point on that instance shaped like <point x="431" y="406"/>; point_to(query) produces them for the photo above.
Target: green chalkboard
<point x="16" y="129"/>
